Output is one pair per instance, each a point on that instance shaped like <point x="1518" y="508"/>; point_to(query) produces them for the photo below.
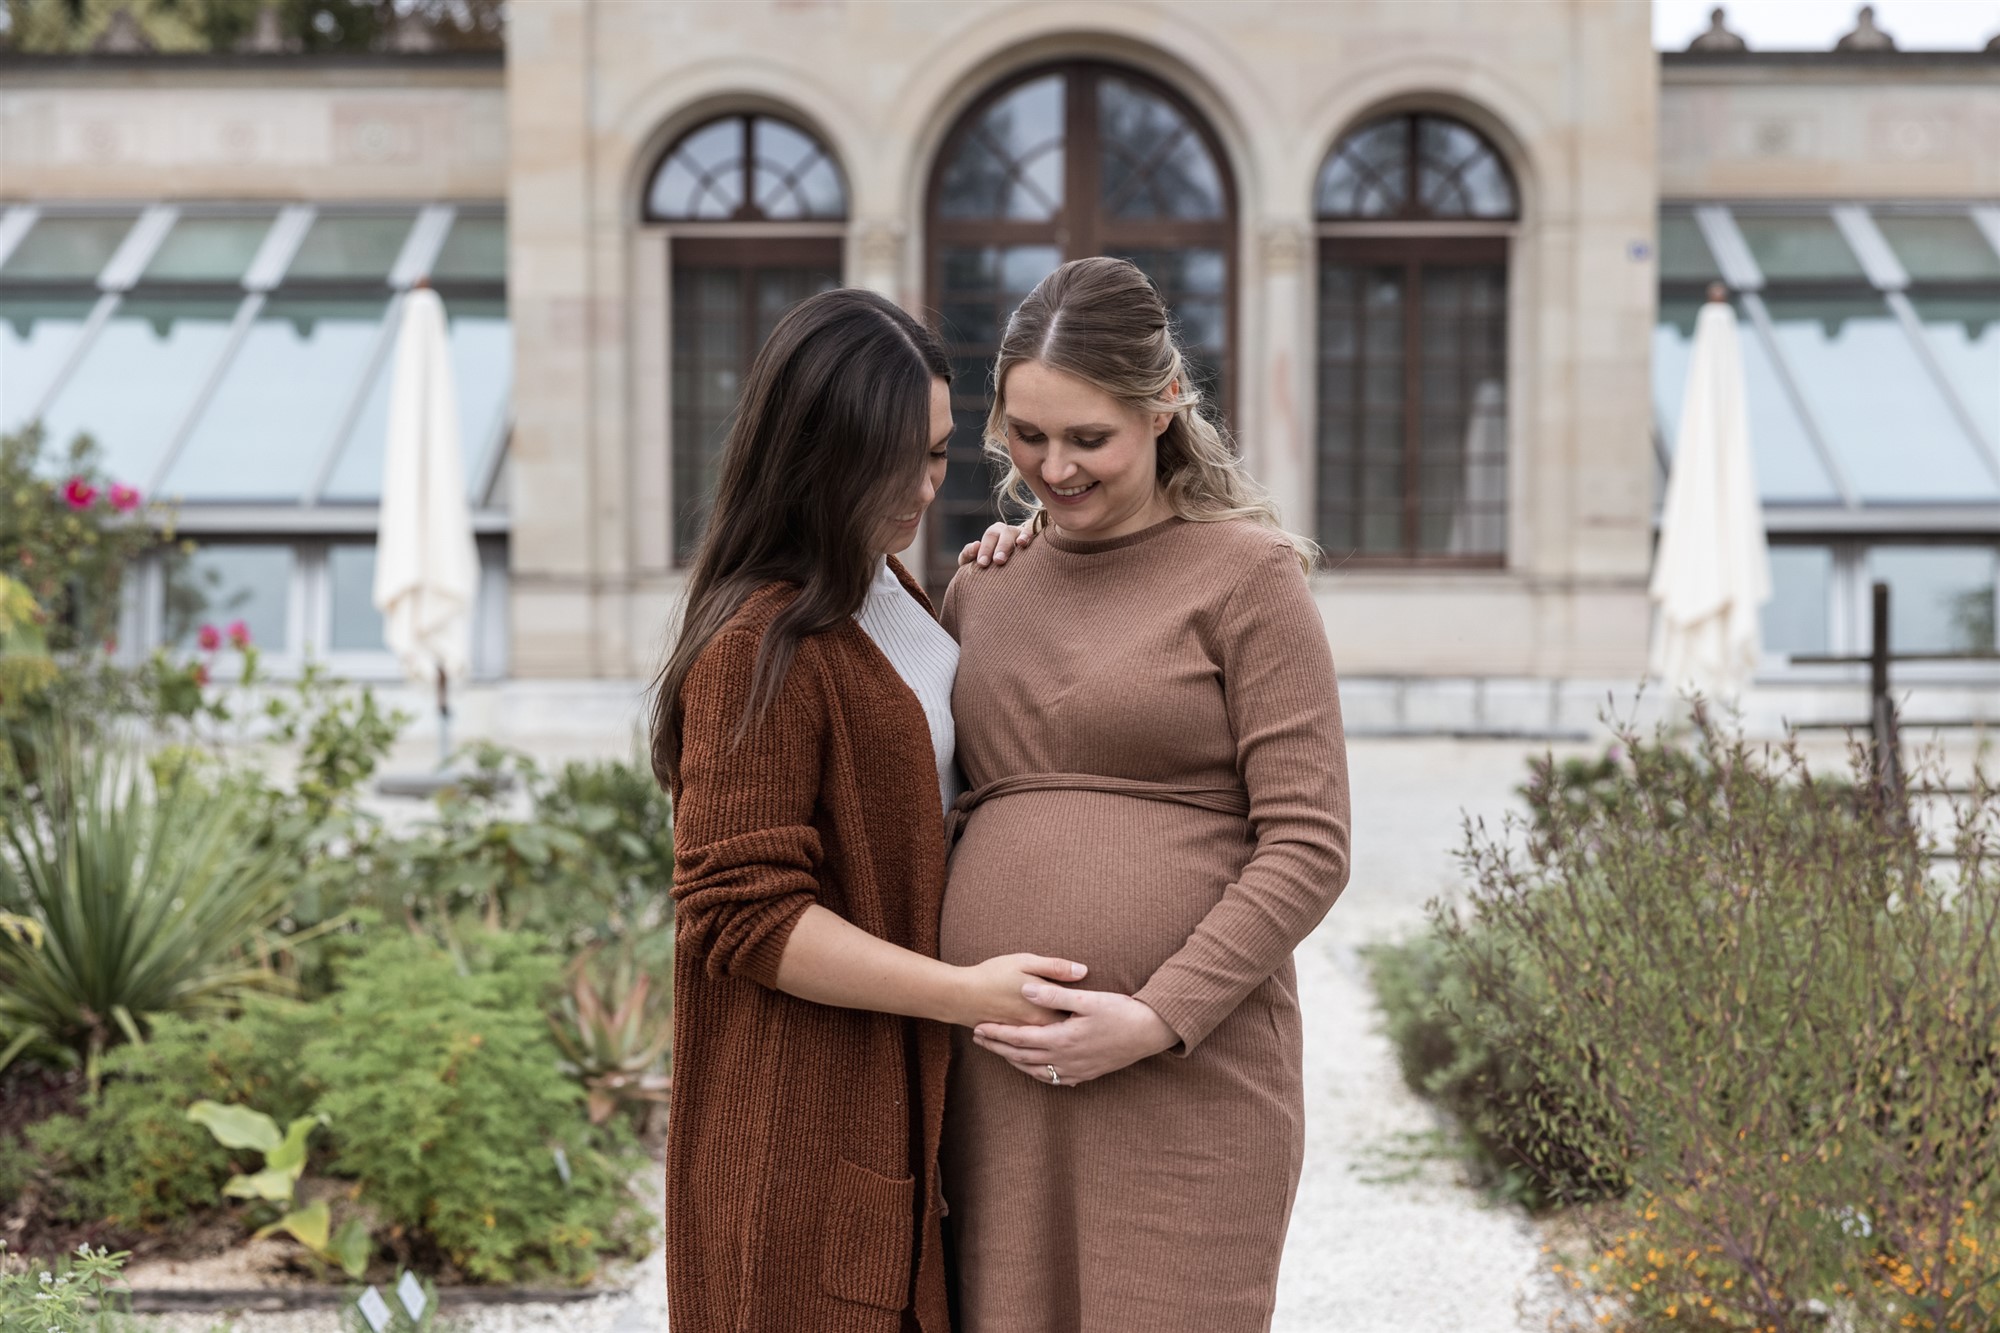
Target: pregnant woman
<point x="1147" y="716"/>
<point x="803" y="724"/>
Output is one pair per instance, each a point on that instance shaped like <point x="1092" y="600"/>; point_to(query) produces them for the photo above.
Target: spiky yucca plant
<point x="139" y="898"/>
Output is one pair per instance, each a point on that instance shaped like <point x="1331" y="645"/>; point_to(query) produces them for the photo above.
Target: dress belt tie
<point x="1222" y="800"/>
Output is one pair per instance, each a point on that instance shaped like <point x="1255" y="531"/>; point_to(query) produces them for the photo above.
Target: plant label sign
<point x="411" y="1293"/>
<point x="562" y="1165"/>
<point x="374" y="1309"/>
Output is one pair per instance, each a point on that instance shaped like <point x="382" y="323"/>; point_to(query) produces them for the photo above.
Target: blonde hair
<point x="1102" y="320"/>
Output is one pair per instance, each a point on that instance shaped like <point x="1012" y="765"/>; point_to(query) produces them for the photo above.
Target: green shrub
<point x="628" y="821"/>
<point x="1760" y="1000"/>
<point x="133" y="1159"/>
<point x="446" y="1102"/>
<point x="65" y="535"/>
<point x="1453" y="1050"/>
<point x="585" y="859"/>
<point x="75" y="1295"/>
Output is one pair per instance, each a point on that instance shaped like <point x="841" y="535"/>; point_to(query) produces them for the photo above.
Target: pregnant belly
<point x="1114" y="882"/>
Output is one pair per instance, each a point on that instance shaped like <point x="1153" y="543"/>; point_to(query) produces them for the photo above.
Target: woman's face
<point x="898" y="531"/>
<point x="1091" y="460"/>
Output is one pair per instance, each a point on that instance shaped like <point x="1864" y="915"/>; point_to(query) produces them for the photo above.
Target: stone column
<point x="549" y="299"/>
<point x="875" y="250"/>
<point x="1282" y="374"/>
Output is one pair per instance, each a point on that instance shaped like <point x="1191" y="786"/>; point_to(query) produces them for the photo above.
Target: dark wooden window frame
<point x="687" y="248"/>
<point x="1413" y="253"/>
<point x="747" y="211"/>
<point x="748" y="240"/>
<point x="1412" y="158"/>
<point x="1075" y="232"/>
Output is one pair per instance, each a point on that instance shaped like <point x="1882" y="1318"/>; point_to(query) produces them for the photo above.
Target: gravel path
<point x="1385" y="1238"/>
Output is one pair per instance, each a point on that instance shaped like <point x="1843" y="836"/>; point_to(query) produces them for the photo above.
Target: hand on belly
<point x="1103" y="1034"/>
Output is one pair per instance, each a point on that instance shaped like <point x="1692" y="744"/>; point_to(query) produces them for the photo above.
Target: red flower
<point x="201" y="673"/>
<point x="124" y="498"/>
<point x="80" y="493"/>
<point x="239" y="634"/>
<point x="209" y="637"/>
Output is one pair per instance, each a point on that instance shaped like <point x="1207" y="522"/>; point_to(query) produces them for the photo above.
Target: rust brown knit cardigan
<point x="802" y="1147"/>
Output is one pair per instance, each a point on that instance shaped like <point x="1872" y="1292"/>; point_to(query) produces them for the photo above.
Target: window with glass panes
<point x="1056" y="164"/>
<point x="235" y="358"/>
<point x="1871" y="373"/>
<point x="757" y="206"/>
<point x="1412" y="374"/>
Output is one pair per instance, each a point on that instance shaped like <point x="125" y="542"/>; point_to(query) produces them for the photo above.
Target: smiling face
<point x="1091" y="460"/>
<point x="897" y="532"/>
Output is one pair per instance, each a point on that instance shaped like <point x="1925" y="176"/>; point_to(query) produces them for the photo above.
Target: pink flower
<point x="124" y="498"/>
<point x="201" y="673"/>
<point x="80" y="493"/>
<point x="209" y="638"/>
<point x="111" y="645"/>
<point x="239" y="634"/>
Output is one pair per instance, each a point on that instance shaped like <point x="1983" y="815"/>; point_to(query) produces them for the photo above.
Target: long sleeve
<point x="746" y="854"/>
<point x="1284" y="710"/>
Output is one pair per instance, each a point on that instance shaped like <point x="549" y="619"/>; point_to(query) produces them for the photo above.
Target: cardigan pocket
<point x="870" y="1239"/>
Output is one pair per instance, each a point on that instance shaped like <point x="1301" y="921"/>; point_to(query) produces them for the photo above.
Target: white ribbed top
<point x="924" y="656"/>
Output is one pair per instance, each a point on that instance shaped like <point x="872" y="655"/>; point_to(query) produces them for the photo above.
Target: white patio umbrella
<point x="1713" y="568"/>
<point x="426" y="567"/>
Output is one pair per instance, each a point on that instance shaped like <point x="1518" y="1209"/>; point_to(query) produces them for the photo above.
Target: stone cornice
<point x="86" y="67"/>
<point x="1815" y="66"/>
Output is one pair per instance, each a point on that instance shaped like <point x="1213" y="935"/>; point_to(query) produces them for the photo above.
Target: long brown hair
<point x="830" y="434"/>
<point x="1102" y="320"/>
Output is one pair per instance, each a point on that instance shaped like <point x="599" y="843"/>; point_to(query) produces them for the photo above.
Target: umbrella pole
<point x="444" y="723"/>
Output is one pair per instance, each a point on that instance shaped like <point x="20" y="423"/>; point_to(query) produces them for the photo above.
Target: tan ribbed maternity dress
<point x="1186" y="667"/>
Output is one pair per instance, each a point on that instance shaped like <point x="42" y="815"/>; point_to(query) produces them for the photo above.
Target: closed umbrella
<point x="426" y="567"/>
<point x="1713" y="569"/>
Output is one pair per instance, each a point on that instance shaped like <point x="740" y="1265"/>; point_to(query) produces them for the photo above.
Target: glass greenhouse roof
<point x="240" y="354"/>
<point x="1871" y="346"/>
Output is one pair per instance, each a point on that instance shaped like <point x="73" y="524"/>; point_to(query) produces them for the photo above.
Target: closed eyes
<point x="1081" y="441"/>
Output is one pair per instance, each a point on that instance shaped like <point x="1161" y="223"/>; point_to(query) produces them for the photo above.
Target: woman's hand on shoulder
<point x="1102" y="1034"/>
<point x="992" y="991"/>
<point x="1001" y="540"/>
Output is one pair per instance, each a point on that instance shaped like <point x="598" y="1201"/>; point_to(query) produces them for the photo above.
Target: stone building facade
<point x="1432" y="260"/>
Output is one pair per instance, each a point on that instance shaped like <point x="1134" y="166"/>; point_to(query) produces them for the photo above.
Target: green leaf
<point x="351" y="1247"/>
<point x="271" y="1184"/>
<point x="291" y="1154"/>
<point x="236" y="1126"/>
<point x="308" y="1225"/>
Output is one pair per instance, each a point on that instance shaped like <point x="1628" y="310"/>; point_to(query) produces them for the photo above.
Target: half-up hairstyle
<point x="1102" y="320"/>
<point x="830" y="436"/>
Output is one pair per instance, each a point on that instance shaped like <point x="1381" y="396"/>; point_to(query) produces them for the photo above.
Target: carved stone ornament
<point x="1286" y="247"/>
<point x="122" y="36"/>
<point x="1866" y="36"/>
<point x="880" y="244"/>
<point x="267" y="35"/>
<point x="1718" y="37"/>
<point x="410" y="34"/>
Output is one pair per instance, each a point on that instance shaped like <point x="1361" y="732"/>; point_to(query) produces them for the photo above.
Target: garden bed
<point x="1732" y="1027"/>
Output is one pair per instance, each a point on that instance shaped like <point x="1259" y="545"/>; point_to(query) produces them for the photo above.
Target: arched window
<point x="1052" y="165"/>
<point x="756" y="208"/>
<point x="1415" y="215"/>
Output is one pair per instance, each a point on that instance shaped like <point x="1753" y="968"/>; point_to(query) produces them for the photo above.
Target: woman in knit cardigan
<point x="802" y="723"/>
<point x="1148" y="718"/>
